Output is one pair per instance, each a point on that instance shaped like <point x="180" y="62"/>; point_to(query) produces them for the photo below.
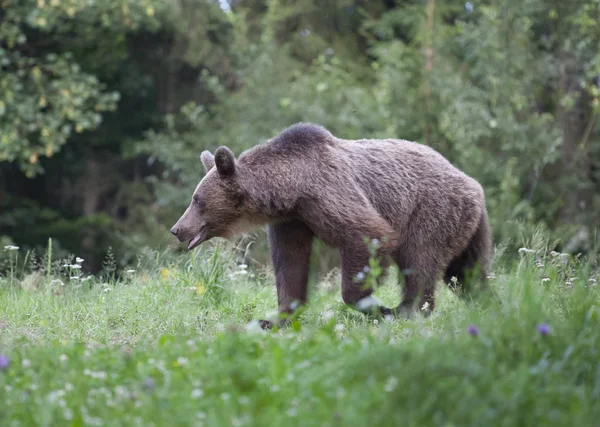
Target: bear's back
<point x="398" y="176"/>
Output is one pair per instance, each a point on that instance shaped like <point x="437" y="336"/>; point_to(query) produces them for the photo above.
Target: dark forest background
<point x="105" y="105"/>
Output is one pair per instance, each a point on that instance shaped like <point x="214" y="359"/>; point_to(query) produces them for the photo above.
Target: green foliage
<point x="46" y="96"/>
<point x="115" y="100"/>
<point x="154" y="348"/>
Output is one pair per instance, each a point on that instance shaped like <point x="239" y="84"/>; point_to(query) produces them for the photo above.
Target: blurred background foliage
<point x="105" y="105"/>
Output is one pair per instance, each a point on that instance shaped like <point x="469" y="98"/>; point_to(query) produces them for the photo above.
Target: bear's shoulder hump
<point x="304" y="135"/>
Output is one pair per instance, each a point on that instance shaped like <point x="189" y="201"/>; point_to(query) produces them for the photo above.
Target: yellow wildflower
<point x="200" y="290"/>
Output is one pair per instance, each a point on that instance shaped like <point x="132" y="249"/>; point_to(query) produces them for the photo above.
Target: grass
<point x="172" y="343"/>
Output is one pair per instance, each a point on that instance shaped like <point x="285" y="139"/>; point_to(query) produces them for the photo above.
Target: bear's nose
<point x="174" y="230"/>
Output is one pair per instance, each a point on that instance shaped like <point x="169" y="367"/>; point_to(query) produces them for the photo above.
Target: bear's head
<point x="217" y="206"/>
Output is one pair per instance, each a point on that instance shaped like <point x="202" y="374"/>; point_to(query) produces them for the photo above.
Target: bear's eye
<point x="198" y="202"/>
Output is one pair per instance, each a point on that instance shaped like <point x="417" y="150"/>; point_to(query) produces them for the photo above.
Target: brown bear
<point x="429" y="217"/>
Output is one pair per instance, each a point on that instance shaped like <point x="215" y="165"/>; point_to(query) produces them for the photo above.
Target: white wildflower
<point x="57" y="282"/>
<point x="390" y="384"/>
<point x="11" y="248"/>
<point x="130" y="271"/>
<point x="68" y="414"/>
<point x="545" y="279"/>
<point x="63" y="358"/>
<point x="26" y="363"/>
<point x="425" y="306"/>
<point x="79" y="260"/>
<point x="526" y="250"/>
<point x="304" y="364"/>
<point x="75" y="267"/>
<point x="339" y="327"/>
<point x="197" y="393"/>
<point x="243" y="266"/>
<point x="327" y="315"/>
<point x="121" y="392"/>
<point x="365" y="304"/>
<point x="55" y="395"/>
<point x="253" y="327"/>
<point x="100" y="375"/>
<point x="182" y="361"/>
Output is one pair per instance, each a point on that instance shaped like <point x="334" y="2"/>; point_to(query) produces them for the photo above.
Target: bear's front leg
<point x="290" y="244"/>
<point x="355" y="292"/>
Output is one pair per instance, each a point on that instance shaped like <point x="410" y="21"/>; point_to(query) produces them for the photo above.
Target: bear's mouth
<point x="200" y="237"/>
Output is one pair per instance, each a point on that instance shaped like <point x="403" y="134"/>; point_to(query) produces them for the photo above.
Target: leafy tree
<point x="46" y="94"/>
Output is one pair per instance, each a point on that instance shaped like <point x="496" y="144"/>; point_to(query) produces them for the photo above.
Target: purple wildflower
<point x="360" y="275"/>
<point x="473" y="331"/>
<point x="544" y="329"/>
<point x="149" y="384"/>
<point x="4" y="362"/>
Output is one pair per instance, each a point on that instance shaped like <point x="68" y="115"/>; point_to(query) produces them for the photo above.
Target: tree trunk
<point x="576" y="123"/>
<point x="91" y="189"/>
<point x="428" y="68"/>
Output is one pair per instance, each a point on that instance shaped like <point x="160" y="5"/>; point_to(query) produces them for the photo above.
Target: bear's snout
<point x="174" y="230"/>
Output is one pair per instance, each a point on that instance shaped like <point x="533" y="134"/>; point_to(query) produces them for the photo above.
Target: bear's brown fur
<point x="429" y="216"/>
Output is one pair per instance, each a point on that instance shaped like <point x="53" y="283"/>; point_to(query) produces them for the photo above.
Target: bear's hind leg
<point x="290" y="244"/>
<point x="473" y="263"/>
<point x="419" y="289"/>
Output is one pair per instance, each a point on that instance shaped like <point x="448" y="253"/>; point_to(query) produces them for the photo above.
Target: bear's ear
<point x="224" y="161"/>
<point x="208" y="160"/>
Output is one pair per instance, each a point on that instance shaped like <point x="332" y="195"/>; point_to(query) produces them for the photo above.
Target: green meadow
<point x="173" y="341"/>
